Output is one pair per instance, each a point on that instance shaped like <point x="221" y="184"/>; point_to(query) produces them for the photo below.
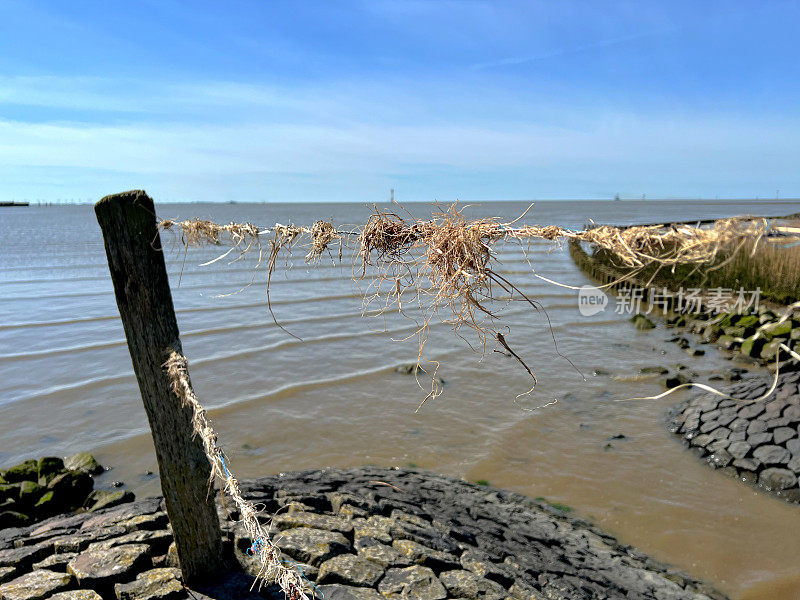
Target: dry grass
<point x="770" y="267"/>
<point x="323" y="233"/>
<point x="642" y="246"/>
<point x="199" y="232"/>
<point x="440" y="265"/>
<point x="752" y="263"/>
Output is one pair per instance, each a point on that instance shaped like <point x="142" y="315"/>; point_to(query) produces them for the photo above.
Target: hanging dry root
<point x="285" y="235"/>
<point x="387" y="236"/>
<point x="443" y="264"/>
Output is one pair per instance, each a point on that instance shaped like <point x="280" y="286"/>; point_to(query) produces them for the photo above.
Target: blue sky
<point x="340" y="101"/>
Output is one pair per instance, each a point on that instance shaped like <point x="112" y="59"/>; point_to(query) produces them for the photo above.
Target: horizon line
<point x="265" y="202"/>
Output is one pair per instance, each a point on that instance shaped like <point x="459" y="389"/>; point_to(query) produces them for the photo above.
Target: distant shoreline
<point x="743" y="201"/>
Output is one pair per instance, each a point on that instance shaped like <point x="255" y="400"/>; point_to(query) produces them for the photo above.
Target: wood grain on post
<point x="141" y="285"/>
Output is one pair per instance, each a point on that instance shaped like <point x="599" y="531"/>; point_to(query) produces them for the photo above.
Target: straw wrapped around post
<point x="271" y="565"/>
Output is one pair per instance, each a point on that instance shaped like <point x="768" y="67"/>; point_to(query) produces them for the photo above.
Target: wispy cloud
<point x="576" y="49"/>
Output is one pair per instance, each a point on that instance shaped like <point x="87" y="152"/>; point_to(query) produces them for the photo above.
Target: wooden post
<point x="141" y="285"/>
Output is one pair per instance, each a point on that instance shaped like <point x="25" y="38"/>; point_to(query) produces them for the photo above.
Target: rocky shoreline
<point x="751" y="332"/>
<point x="39" y="488"/>
<point x="358" y="534"/>
<point x="757" y="442"/>
<point x="755" y="338"/>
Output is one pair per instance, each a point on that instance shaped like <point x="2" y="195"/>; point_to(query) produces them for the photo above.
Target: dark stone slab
<point x="351" y="570"/>
<point x="23" y="558"/>
<point x="428" y="557"/>
<point x="76" y="595"/>
<point x="314" y="520"/>
<point x="466" y="584"/>
<point x="418" y="583"/>
<point x="342" y="592"/>
<point x="102" y="568"/>
<point x="312" y="546"/>
<point x="482" y="565"/>
<point x="35" y="585"/>
<point x="772" y="455"/>
<point x="759" y="439"/>
<point x="156" y="584"/>
<point x="793" y="446"/>
<point x="781" y="435"/>
<point x="778" y="479"/>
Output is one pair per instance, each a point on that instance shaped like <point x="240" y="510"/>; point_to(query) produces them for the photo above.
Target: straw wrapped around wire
<point x="446" y="262"/>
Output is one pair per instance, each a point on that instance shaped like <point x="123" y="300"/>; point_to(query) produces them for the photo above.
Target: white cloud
<point x="220" y="136"/>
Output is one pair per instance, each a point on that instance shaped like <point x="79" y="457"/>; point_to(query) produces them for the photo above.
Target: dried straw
<point x="197" y="232"/>
<point x="322" y="234"/>
<point x="671" y="245"/>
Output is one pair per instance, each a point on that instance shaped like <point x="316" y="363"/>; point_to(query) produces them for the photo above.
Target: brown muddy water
<point x="66" y="382"/>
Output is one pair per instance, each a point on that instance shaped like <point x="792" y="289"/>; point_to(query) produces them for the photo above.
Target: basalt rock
<point x="49" y="467"/>
<point x="76" y="595"/>
<point x="37" y="489"/>
<point x="83" y="461"/>
<point x="100" y="569"/>
<point x="35" y="585"/>
<point x="417" y="583"/>
<point x="156" y="584"/>
<point x="100" y="499"/>
<point x="642" y="323"/>
<point x="312" y="546"/>
<point x="26" y="471"/>
<point x="350" y="569"/>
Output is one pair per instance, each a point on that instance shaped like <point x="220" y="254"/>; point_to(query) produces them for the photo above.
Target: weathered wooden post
<point x="141" y="285"/>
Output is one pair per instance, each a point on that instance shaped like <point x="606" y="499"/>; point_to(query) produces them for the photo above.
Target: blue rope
<point x="224" y="465"/>
<point x="256" y="546"/>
